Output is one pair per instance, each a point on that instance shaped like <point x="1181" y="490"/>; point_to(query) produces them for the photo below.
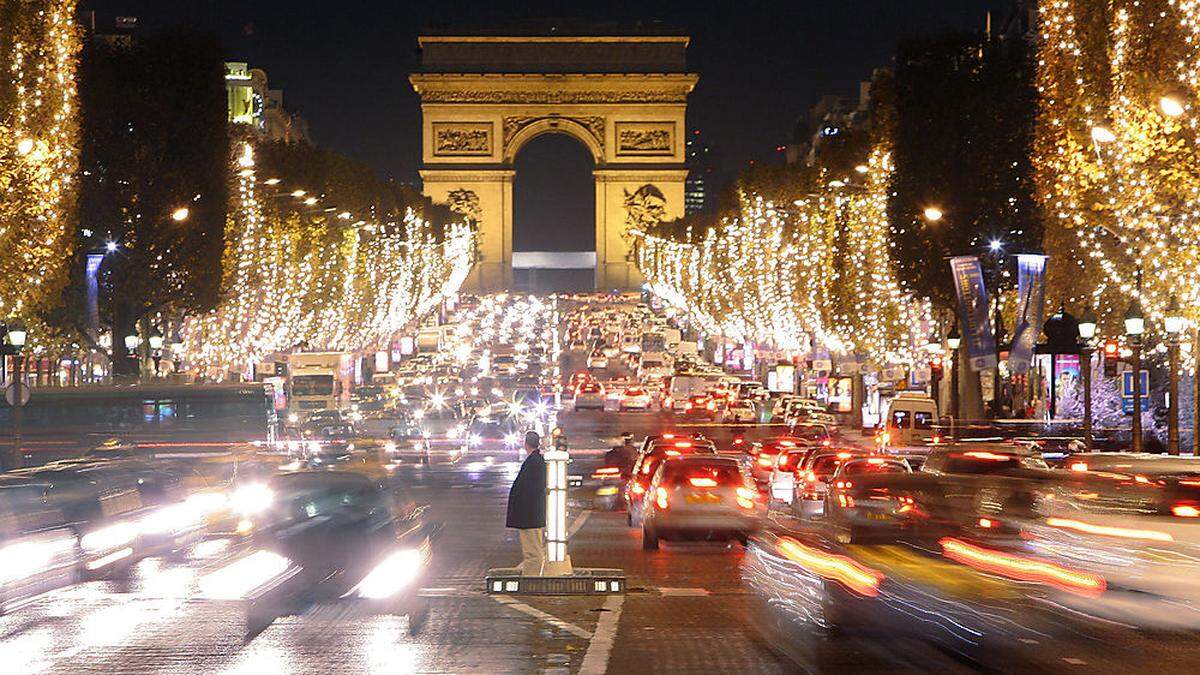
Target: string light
<point x="292" y="279"/>
<point x="816" y="274"/>
<point x="38" y="156"/>
<point x="1117" y="153"/>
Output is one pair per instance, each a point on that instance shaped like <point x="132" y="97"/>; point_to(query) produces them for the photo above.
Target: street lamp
<point x="1170" y="106"/>
<point x="156" y="346"/>
<point x="1173" y="323"/>
<point x="15" y="335"/>
<point x="180" y="214"/>
<point x="1135" y="325"/>
<point x="1087" y="331"/>
<point x="953" y="341"/>
<point x="933" y="214"/>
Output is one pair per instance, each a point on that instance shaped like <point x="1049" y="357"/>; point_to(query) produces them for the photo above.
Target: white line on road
<point x="577" y="523"/>
<point x="1074" y="661"/>
<point x="595" y="659"/>
<point x="539" y="614"/>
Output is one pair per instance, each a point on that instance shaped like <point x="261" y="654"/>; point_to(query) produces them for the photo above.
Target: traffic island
<point x="581" y="581"/>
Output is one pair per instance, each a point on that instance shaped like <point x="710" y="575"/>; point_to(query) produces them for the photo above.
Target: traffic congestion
<point x="757" y="529"/>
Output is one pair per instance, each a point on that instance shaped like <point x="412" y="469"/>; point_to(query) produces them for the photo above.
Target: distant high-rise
<point x="697" y="196"/>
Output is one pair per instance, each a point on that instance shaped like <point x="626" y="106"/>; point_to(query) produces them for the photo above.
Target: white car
<point x="597" y="360"/>
<point x="635" y="398"/>
<point x="589" y="396"/>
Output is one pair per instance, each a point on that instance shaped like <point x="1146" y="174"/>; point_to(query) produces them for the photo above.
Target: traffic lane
<point x="979" y="618"/>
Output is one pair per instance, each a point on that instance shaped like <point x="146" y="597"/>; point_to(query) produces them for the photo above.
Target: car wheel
<point x="418" y="612"/>
<point x="649" y="539"/>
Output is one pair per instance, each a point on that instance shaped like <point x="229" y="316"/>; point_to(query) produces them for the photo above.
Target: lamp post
<point x="953" y="341"/>
<point x="1173" y="323"/>
<point x="932" y="347"/>
<point x="156" y="347"/>
<point x="131" y="345"/>
<point x="15" y="336"/>
<point x="1135" y="325"/>
<point x="1087" y="331"/>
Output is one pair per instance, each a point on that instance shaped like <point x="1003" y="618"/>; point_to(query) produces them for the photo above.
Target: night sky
<point x="344" y="65"/>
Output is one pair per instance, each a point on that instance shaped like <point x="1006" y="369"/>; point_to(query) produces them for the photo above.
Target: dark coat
<point x="527" y="498"/>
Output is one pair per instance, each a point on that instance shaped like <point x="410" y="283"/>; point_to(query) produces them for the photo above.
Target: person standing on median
<point x="527" y="507"/>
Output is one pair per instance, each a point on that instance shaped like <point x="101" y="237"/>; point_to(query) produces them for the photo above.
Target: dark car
<point x="334" y="537"/>
<point x="38" y="549"/>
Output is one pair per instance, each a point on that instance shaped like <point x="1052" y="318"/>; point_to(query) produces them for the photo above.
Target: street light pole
<point x="1173" y="323"/>
<point x="1087" y="331"/>
<point x="1135" y="325"/>
<point x="953" y="341"/>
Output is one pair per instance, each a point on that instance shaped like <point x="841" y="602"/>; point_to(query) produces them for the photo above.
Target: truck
<point x="318" y="381"/>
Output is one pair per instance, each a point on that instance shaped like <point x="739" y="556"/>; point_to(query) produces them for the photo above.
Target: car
<point x="700" y="497"/>
<point x="781" y="482"/>
<point x="635" y="398"/>
<point x="597" y="360"/>
<point x="814" y="477"/>
<point x="590" y="395"/>
<point x="740" y="411"/>
<point x="333" y="537"/>
<point x="864" y="502"/>
<point x="761" y="456"/>
<point x="699" y="406"/>
<point x="43" y="550"/>
<point x="654" y="450"/>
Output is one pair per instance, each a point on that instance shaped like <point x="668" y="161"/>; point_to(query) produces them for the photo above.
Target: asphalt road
<point x="687" y="609"/>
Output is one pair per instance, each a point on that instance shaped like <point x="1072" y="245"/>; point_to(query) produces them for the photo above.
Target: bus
<point x="69" y="422"/>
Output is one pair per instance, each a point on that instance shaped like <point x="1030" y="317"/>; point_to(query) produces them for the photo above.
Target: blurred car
<point x="589" y="395"/>
<point x="406" y="442"/>
<point x="439" y="423"/>
<point x="700" y="497"/>
<point x="762" y="456"/>
<point x="781" y="483"/>
<point x="335" y="537"/>
<point x="859" y="505"/>
<point x="597" y="360"/>
<point x="635" y="398"/>
<point x="39" y="550"/>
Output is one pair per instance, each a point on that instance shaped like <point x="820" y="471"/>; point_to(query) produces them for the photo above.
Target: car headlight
<point x="293" y="418"/>
<point x="251" y="499"/>
<point x="394" y="573"/>
<point x="510" y="439"/>
<point x="475" y="439"/>
<point x="389" y="447"/>
<point x="108" y="538"/>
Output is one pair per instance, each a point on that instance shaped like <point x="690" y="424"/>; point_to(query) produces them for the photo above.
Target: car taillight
<point x="745" y="497"/>
<point x="1185" y="511"/>
<point x="738" y="440"/>
<point x="638" y="489"/>
<point x="660" y="498"/>
<point x="673" y="453"/>
<point x="845" y="501"/>
<point x="766" y="460"/>
<point x="712" y="405"/>
<point x="810" y="476"/>
<point x="606" y="472"/>
<point x="844" y="484"/>
<point x="987" y="523"/>
<point x="687" y="406"/>
<point x="702" y="481"/>
<point x="1079" y="466"/>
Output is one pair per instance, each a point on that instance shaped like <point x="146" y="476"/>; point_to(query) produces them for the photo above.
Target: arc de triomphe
<point x="623" y="97"/>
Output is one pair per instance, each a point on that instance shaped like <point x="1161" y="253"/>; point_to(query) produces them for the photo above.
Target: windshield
<point x="312" y="385"/>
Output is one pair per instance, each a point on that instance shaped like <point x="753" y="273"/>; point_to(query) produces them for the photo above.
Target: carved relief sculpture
<point x="645" y="138"/>
<point x="465" y="202"/>
<point x="644" y="208"/>
<point x="462" y="138"/>
<point x="593" y="123"/>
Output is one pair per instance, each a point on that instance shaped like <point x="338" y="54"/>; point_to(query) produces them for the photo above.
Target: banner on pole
<point x="973" y="311"/>
<point x="1031" y="295"/>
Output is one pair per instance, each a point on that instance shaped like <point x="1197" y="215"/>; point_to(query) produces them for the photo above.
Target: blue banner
<point x="1031" y="295"/>
<point x="973" y="312"/>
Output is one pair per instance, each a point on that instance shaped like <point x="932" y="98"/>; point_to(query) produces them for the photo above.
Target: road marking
<point x="1029" y="641"/>
<point x="578" y="523"/>
<point x="1074" y="661"/>
<point x="595" y="659"/>
<point x="684" y="592"/>
<point x="539" y="614"/>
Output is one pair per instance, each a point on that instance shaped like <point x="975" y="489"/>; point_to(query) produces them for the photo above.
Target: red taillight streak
<point x="1023" y="568"/>
<point x="660" y="498"/>
<point x="846" y="571"/>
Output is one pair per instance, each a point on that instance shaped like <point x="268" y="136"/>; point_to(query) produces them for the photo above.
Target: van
<point x="910" y="419"/>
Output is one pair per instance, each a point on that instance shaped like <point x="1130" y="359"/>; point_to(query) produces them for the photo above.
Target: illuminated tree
<point x="39" y="43"/>
<point x="1117" y="153"/>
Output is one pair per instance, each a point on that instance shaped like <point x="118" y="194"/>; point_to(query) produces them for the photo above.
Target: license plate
<point x="877" y="516"/>
<point x="606" y="491"/>
<point x="705" y="498"/>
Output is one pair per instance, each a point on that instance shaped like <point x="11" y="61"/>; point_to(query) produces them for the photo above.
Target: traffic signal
<point x="1110" y="358"/>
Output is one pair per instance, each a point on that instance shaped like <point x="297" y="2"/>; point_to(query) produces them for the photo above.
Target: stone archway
<point x="623" y="97"/>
